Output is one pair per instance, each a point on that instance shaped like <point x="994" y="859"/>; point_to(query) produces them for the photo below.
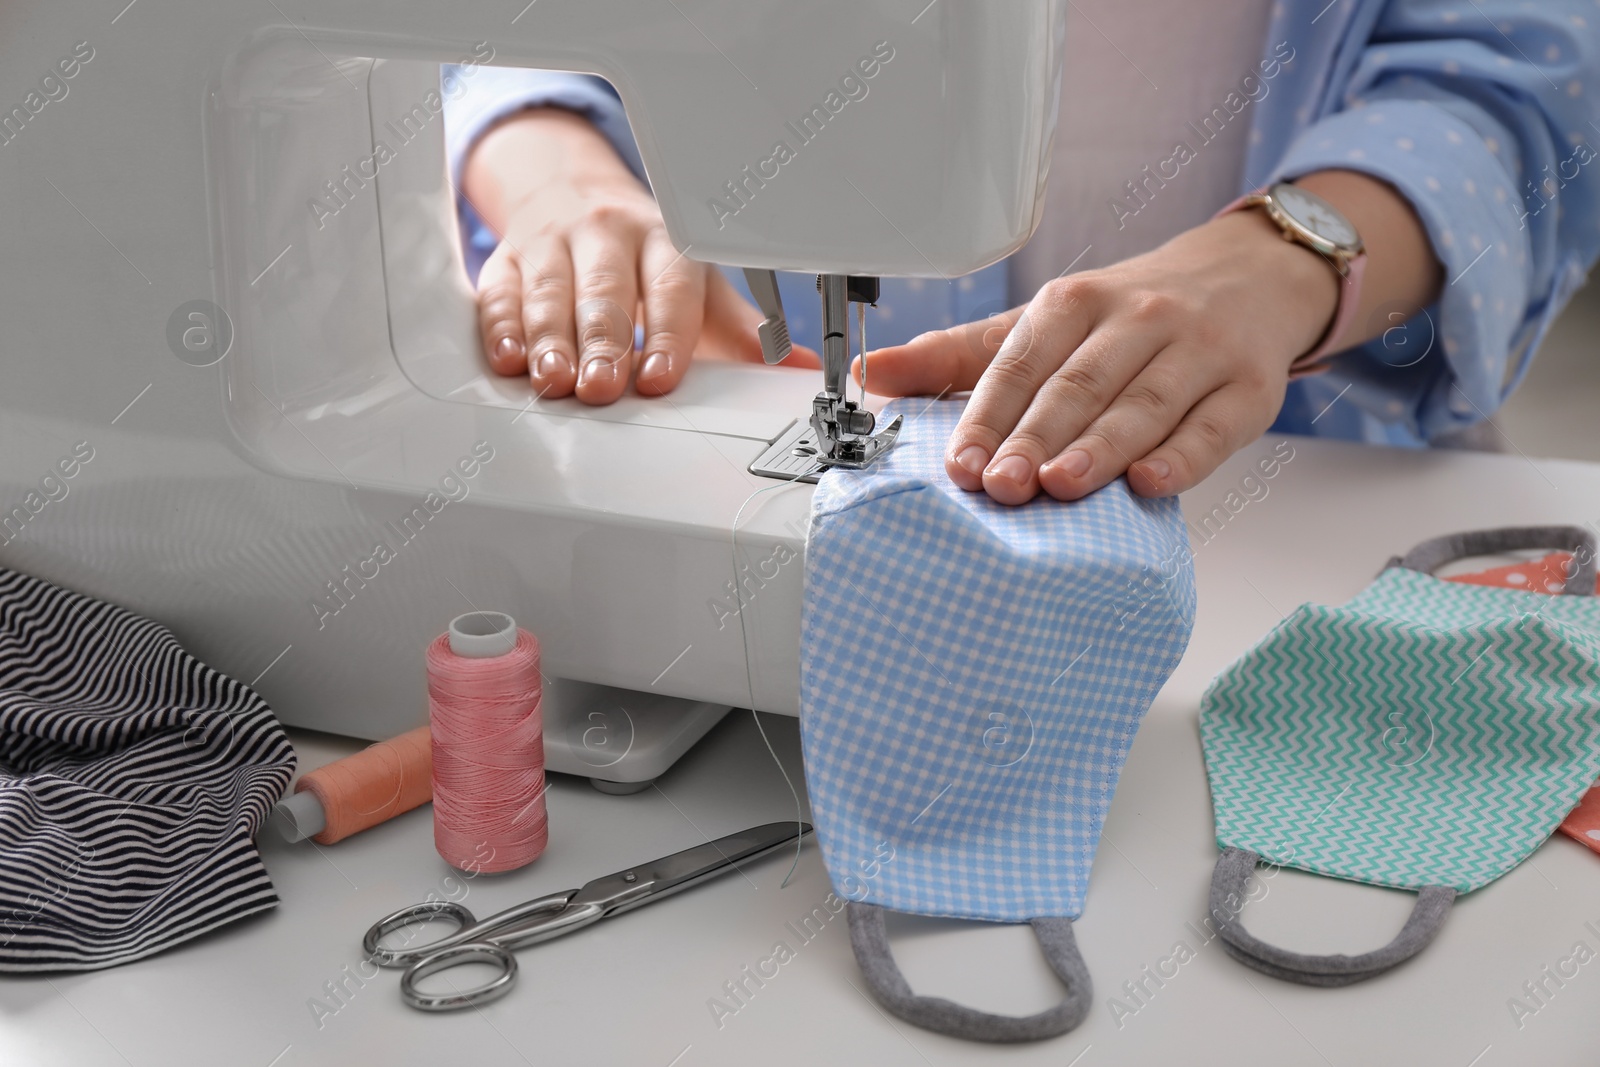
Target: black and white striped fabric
<point x="133" y="779"/>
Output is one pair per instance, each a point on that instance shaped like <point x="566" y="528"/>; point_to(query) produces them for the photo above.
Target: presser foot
<point x="855" y="448"/>
<point x="793" y="456"/>
<point x="841" y="431"/>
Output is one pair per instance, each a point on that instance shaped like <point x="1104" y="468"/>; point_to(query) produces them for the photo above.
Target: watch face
<point x="1316" y="215"/>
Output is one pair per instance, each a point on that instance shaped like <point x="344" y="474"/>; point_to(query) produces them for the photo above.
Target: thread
<point x="488" y="748"/>
<point x="376" y="784"/>
<point x="749" y="676"/>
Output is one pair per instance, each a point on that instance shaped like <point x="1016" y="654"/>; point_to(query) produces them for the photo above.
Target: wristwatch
<point x="1305" y="218"/>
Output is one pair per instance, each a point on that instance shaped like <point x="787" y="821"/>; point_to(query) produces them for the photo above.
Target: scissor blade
<point x="651" y="881"/>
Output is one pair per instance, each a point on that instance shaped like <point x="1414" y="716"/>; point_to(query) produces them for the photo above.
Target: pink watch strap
<point x="1314" y="361"/>
<point x="1349" y="301"/>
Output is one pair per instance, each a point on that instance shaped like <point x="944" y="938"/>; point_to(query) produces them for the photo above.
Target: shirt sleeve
<point x="477" y="97"/>
<point x="1478" y="113"/>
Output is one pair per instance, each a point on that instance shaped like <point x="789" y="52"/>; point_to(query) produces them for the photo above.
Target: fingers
<point x="1047" y="335"/>
<point x="547" y="317"/>
<point x="674" y="308"/>
<point x="525" y="314"/>
<point x="1219" y="425"/>
<point x="1140" y="417"/>
<point x="500" y="312"/>
<point x="605" y="265"/>
<point x="943" y="361"/>
<point x="1069" y="402"/>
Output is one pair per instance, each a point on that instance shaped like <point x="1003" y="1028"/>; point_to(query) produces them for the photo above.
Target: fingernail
<point x="551" y="364"/>
<point x="509" y="348"/>
<point x="1075" y="464"/>
<point x="1157" y="470"/>
<point x="972" y="460"/>
<point x="597" y="370"/>
<point x="654" y="365"/>
<point x="1012" y="469"/>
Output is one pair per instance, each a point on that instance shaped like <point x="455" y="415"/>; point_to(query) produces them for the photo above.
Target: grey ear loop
<point x="1233" y="870"/>
<point x="1429" y="556"/>
<point x="870" y="940"/>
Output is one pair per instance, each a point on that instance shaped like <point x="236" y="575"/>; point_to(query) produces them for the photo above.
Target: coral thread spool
<point x="488" y="744"/>
<point x="360" y="791"/>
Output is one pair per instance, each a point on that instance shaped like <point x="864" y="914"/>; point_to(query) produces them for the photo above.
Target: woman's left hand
<point x="1159" y="367"/>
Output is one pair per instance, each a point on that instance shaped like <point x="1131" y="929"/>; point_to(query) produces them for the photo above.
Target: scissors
<point x="492" y="940"/>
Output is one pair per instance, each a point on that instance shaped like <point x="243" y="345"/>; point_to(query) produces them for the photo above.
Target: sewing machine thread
<point x="488" y="744"/>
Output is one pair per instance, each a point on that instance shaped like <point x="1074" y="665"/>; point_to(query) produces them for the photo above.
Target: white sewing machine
<point x="282" y="440"/>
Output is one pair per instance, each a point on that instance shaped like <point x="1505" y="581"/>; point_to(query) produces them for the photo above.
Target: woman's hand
<point x="583" y="249"/>
<point x="1161" y="366"/>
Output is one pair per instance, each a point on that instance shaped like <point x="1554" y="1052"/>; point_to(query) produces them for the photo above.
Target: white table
<point x="635" y="990"/>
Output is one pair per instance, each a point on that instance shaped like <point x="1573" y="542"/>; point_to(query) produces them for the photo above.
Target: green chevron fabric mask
<point x="1428" y="735"/>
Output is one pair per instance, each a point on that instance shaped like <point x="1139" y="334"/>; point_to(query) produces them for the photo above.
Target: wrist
<point x="1298" y="288"/>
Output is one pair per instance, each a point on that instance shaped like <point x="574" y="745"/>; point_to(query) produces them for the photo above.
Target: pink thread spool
<point x="488" y="744"/>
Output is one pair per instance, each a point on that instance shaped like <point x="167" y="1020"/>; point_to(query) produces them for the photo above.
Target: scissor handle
<point x="468" y="929"/>
<point x="455" y="956"/>
<point x="489" y="941"/>
<point x="416" y="914"/>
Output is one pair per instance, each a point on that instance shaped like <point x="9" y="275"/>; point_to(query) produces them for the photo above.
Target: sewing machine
<point x="236" y="312"/>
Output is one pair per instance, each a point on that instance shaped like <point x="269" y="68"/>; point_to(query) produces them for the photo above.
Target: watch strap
<point x="1315" y="361"/>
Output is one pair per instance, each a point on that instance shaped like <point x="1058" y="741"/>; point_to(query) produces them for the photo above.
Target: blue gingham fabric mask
<point x="971" y="678"/>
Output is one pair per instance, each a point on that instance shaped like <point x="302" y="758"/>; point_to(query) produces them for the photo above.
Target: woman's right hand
<point x="582" y="250"/>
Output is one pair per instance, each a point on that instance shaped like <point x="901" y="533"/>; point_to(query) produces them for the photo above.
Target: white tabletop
<point x="636" y="989"/>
